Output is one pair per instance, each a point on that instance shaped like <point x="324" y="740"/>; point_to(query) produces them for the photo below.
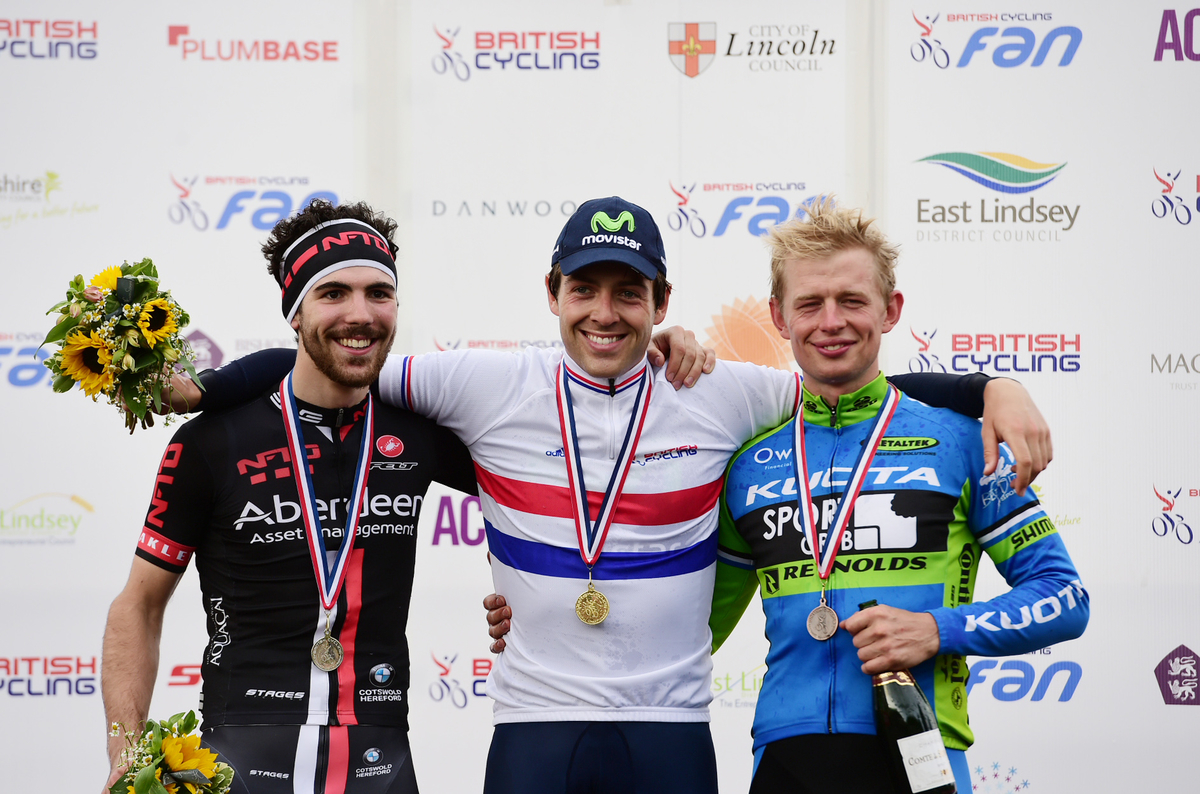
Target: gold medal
<point x="592" y="606"/>
<point x="327" y="653"/>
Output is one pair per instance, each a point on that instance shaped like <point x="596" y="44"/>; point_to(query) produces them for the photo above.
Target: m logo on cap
<point x="604" y="219"/>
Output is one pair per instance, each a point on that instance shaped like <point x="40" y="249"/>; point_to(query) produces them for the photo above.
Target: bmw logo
<point x="372" y="756"/>
<point x="382" y="674"/>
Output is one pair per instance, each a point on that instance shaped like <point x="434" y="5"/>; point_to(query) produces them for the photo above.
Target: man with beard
<point x="304" y="686"/>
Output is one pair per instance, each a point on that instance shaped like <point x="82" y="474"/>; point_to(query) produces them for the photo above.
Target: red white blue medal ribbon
<point x="824" y="556"/>
<point x="592" y="534"/>
<point x="329" y="577"/>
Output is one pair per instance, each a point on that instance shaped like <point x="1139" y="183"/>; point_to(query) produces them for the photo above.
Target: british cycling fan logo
<point x="1177" y="679"/>
<point x="685" y="217"/>
<point x="449" y="60"/>
<point x="1169" y="204"/>
<point x="927" y="47"/>
<point x="1169" y="522"/>
<point x="924" y="361"/>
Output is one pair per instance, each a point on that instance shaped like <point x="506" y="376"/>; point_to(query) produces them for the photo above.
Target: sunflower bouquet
<point x="167" y="759"/>
<point x="119" y="336"/>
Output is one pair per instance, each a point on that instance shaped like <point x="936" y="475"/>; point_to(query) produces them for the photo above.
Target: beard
<point x="362" y="372"/>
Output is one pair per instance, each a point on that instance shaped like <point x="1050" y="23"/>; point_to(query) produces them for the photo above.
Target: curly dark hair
<point x="317" y="212"/>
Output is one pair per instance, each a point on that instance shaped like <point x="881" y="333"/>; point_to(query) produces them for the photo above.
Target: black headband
<point x="327" y="248"/>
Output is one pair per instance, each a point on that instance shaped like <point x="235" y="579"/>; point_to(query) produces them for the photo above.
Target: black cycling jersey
<point x="225" y="491"/>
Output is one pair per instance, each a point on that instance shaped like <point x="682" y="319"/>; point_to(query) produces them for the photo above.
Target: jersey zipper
<point x="829" y="591"/>
<point x="612" y="420"/>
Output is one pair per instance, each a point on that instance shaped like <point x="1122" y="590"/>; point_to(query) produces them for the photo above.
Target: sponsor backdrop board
<point x="1035" y="166"/>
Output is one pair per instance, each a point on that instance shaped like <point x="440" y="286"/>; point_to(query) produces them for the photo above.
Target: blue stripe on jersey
<point x="544" y="560"/>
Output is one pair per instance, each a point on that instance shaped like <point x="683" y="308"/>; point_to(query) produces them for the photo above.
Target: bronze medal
<point x="822" y="622"/>
<point x="327" y="653"/>
<point x="592" y="606"/>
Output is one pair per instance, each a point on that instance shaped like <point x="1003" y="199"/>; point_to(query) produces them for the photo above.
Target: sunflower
<point x="157" y="321"/>
<point x="185" y="752"/>
<point x="107" y="278"/>
<point x="170" y="787"/>
<point x="86" y="359"/>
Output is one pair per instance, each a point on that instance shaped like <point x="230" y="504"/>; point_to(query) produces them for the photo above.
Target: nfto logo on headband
<point x="327" y="248"/>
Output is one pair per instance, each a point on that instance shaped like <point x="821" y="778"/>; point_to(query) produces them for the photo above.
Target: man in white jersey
<point x="599" y="488"/>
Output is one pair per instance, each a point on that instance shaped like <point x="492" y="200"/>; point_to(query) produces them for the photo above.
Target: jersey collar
<point x="327" y="417"/>
<point x="852" y="408"/>
<point x="626" y="380"/>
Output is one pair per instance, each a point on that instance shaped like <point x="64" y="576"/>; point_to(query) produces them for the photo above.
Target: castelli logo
<point x="744" y="332"/>
<point x="389" y="446"/>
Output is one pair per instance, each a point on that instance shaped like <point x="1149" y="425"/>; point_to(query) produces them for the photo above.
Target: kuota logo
<point x="42" y="39"/>
<point x="1169" y="522"/>
<point x="1177" y="679"/>
<point x="1009" y="47"/>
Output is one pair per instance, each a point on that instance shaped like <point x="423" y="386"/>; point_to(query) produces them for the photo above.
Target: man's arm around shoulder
<point x="130" y="656"/>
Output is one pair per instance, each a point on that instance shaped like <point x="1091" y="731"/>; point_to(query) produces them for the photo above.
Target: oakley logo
<point x="603" y="219"/>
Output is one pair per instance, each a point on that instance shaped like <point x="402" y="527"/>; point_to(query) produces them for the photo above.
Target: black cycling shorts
<point x="339" y="759"/>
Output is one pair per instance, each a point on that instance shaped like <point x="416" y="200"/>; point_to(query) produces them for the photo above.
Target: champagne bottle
<point x="909" y="731"/>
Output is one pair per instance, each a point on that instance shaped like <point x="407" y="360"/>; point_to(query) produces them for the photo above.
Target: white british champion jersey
<point x="650" y="659"/>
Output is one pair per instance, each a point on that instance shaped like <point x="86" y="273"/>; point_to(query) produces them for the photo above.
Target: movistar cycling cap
<point x="610" y="230"/>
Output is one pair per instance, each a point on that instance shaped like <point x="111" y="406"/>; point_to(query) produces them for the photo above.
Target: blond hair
<point x="829" y="230"/>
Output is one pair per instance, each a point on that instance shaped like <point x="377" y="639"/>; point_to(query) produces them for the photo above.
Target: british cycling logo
<point x="1169" y="522"/>
<point x="486" y="52"/>
<point x="997" y="353"/>
<point x="692" y="47"/>
<point x="775" y="199"/>
<point x="25" y="198"/>
<point x="1169" y="204"/>
<point x="53" y="676"/>
<point x="265" y="199"/>
<point x="1009" y="47"/>
<point x="997" y="778"/>
<point x="447" y="688"/>
<point x="44" y="519"/>
<point x="959" y="218"/>
<point x="195" y="49"/>
<point x="511" y="345"/>
<point x="40" y="40"/>
<point x="743" y="331"/>
<point x="1182" y="47"/>
<point x="1177" y="679"/>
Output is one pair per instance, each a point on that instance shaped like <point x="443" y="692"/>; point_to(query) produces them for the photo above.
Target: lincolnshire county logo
<point x="692" y="46"/>
<point x="1170" y="204"/>
<point x="996" y="778"/>
<point x="1005" y="173"/>
<point x="744" y="332"/>
<point x="1169" y="522"/>
<point x="1177" y="679"/>
<point x="603" y="219"/>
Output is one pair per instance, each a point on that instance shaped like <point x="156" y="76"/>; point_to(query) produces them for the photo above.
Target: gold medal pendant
<point x="592" y="606"/>
<point x="327" y="653"/>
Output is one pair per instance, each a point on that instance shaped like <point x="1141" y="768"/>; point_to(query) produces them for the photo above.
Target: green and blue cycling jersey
<point x="925" y="517"/>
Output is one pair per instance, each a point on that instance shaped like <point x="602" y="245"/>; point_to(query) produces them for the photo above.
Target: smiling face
<point x="346" y="325"/>
<point x="606" y="315"/>
<point x="833" y="312"/>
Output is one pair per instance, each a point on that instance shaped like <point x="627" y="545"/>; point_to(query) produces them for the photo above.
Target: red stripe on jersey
<point x="636" y="509"/>
<point x="339" y="760"/>
<point x="164" y="548"/>
<point x="345" y="673"/>
<point x="799" y="391"/>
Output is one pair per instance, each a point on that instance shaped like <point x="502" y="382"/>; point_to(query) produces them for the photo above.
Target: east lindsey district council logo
<point x="1002" y="172"/>
<point x="692" y="46"/>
